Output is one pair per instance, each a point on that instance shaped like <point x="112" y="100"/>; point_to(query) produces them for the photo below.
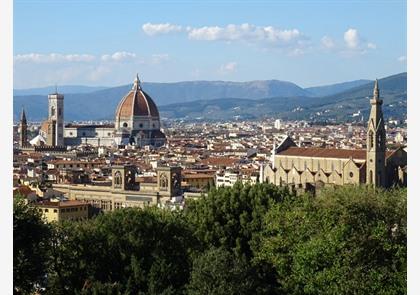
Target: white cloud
<point x="327" y="42"/>
<point x="52" y="58"/>
<point x="155" y="29"/>
<point x="402" y="58"/>
<point x="354" y="44"/>
<point x="229" y="67"/>
<point x="244" y="32"/>
<point x="351" y="38"/>
<point x="118" y="56"/>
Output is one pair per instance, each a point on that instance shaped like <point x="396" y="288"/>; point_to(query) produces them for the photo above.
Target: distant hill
<point x="335" y="88"/>
<point x="340" y="107"/>
<point x="84" y="106"/>
<point x="228" y="100"/>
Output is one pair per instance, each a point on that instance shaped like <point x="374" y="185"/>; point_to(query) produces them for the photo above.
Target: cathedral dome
<point x="136" y="103"/>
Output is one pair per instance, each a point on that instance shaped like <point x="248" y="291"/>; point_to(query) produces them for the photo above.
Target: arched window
<point x="117" y="179"/>
<point x="163" y="181"/>
<point x="52" y="111"/>
<point x="370" y="176"/>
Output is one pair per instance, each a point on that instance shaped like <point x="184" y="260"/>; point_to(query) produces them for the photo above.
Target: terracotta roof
<point x="327" y="153"/>
<point x="22" y="190"/>
<point x="219" y="161"/>
<point x="69" y="203"/>
<point x="136" y="103"/>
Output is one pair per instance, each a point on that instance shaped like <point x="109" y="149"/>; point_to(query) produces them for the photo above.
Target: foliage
<point x="258" y="239"/>
<point x="218" y="272"/>
<point x="347" y="241"/>
<point x="30" y="242"/>
<point x="132" y="250"/>
<point x="232" y="217"/>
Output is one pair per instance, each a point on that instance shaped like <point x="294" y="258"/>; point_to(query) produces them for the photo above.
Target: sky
<point x="106" y="42"/>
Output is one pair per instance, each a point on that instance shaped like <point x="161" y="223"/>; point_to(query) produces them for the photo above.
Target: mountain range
<point x="223" y="100"/>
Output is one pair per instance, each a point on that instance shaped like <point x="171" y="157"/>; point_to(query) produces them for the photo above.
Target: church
<point x="137" y="123"/>
<point x="311" y="168"/>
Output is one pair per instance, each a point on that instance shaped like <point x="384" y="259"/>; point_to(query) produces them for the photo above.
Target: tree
<point x="218" y="272"/>
<point x="133" y="250"/>
<point x="350" y="240"/>
<point x="30" y="245"/>
<point x="231" y="218"/>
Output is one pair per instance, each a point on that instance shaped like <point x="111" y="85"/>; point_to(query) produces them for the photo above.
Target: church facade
<point x="124" y="191"/>
<point x="311" y="168"/>
<point x="137" y="122"/>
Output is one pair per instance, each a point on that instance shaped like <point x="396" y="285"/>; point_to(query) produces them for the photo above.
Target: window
<point x="55" y="210"/>
<point x="59" y="111"/>
<point x="83" y="133"/>
<point x="125" y="125"/>
<point x="71" y="133"/>
<point x="96" y="133"/>
<point x="371" y="139"/>
<point x="141" y="125"/>
<point x="46" y="210"/>
<point x="109" y="133"/>
<point x="52" y="111"/>
<point x="351" y="174"/>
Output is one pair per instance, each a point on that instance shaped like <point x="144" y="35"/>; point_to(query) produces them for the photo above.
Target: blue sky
<point x="107" y="42"/>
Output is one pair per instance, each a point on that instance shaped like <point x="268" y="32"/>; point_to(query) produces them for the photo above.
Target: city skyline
<point x="183" y="41"/>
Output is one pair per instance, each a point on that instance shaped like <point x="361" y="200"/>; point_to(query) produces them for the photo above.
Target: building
<point x="123" y="191"/>
<point x="137" y="122"/>
<point x="52" y="130"/>
<point x="198" y="180"/>
<point x="310" y="168"/>
<point x="56" y="211"/>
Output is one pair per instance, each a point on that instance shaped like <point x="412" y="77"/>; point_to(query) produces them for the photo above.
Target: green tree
<point x="231" y="218"/>
<point x="30" y="244"/>
<point x="132" y="251"/>
<point x="219" y="272"/>
<point x="350" y="240"/>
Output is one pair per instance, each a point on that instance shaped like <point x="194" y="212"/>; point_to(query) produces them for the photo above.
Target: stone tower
<point x="56" y="119"/>
<point x="124" y="177"/>
<point x="23" y="136"/>
<point x="376" y="142"/>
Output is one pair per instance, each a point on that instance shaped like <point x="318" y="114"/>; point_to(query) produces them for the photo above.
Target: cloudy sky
<point x="105" y="43"/>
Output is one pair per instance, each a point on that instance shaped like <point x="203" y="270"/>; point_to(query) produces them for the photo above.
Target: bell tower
<point x="376" y="142"/>
<point x="56" y="118"/>
<point x="23" y="136"/>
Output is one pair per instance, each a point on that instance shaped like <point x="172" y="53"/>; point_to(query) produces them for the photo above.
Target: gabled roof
<point x="327" y="153"/>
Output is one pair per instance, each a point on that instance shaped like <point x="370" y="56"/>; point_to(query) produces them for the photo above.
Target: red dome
<point x="136" y="103"/>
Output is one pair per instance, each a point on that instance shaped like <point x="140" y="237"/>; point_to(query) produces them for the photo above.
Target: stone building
<point x="137" y="122"/>
<point x="124" y="191"/>
<point x="310" y="168"/>
<point x="52" y="129"/>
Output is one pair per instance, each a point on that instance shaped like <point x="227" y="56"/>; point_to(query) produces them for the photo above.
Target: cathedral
<point x="137" y="123"/>
<point x="311" y="168"/>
